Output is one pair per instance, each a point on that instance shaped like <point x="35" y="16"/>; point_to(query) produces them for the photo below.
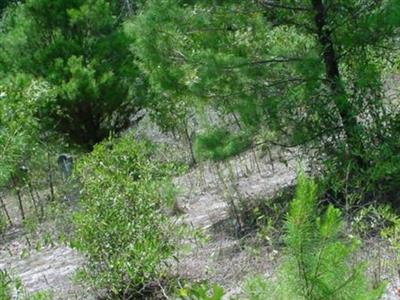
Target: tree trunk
<point x="3" y="205"/>
<point x="344" y="106"/>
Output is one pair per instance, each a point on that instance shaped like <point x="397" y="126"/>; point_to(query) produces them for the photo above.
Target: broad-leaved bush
<point x="120" y="226"/>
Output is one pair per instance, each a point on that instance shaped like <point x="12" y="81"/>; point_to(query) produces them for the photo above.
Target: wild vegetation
<point x="120" y="224"/>
<point x="142" y="133"/>
<point x="316" y="264"/>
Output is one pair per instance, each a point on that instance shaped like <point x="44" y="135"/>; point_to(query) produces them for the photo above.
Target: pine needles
<point x="317" y="257"/>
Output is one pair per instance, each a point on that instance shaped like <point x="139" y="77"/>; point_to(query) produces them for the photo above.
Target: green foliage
<point x="317" y="257"/>
<point x="376" y="181"/>
<point x="28" y="152"/>
<point x="266" y="215"/>
<point x="201" y="291"/>
<point x="3" y="222"/>
<point x="41" y="295"/>
<point x="257" y="288"/>
<point x="19" y="128"/>
<point x="5" y="285"/>
<point x="220" y="144"/>
<point x="195" y="51"/>
<point x="375" y="220"/>
<point x="272" y="67"/>
<point x="9" y="284"/>
<point x="4" y="4"/>
<point x="78" y="47"/>
<point x="120" y="226"/>
<point x="379" y="221"/>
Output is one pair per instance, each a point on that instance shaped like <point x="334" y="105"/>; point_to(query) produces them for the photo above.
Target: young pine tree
<point x="317" y="262"/>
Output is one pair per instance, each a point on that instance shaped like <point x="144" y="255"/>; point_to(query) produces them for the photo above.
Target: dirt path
<point x="206" y="192"/>
<point x="49" y="269"/>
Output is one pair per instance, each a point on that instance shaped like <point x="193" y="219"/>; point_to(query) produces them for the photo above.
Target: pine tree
<point x="317" y="262"/>
<point x="310" y="72"/>
<point x="80" y="49"/>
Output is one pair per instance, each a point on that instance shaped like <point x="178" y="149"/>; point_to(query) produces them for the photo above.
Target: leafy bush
<point x="219" y="144"/>
<point x="27" y="150"/>
<point x="377" y="179"/>
<point x="257" y="288"/>
<point x="317" y="262"/>
<point x="41" y="295"/>
<point x="120" y="226"/>
<point x="372" y="220"/>
<point x="201" y="291"/>
<point x="5" y="285"/>
<point x="19" y="130"/>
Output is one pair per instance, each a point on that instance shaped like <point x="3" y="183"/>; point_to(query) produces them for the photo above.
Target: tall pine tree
<point x="309" y="72"/>
<point x="79" y="47"/>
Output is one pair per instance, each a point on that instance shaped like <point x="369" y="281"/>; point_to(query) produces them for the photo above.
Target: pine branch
<point x="283" y="6"/>
<point x="261" y="62"/>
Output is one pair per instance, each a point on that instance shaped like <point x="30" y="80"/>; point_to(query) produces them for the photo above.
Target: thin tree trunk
<point x="19" y="197"/>
<point x="50" y="177"/>
<point x="344" y="106"/>
<point x="40" y="203"/>
<point x="190" y="142"/>
<point x="3" y="204"/>
<point x="33" y="197"/>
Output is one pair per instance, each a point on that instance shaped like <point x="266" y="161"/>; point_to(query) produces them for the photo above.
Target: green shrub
<point x="266" y="215"/>
<point x="220" y="144"/>
<point x="257" y="288"/>
<point x="19" y="129"/>
<point x="371" y="220"/>
<point x="5" y="285"/>
<point x="376" y="181"/>
<point x="120" y="226"/>
<point x="316" y="263"/>
<point x="10" y="285"/>
<point x="3" y="223"/>
<point x="201" y="291"/>
<point x="41" y="295"/>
